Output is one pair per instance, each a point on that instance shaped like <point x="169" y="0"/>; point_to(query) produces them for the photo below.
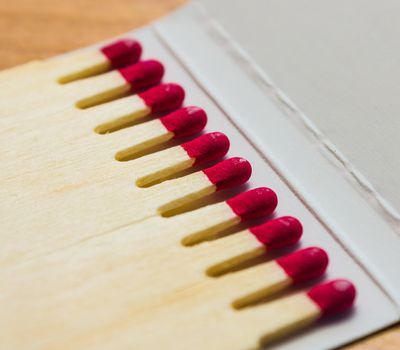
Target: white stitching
<point x="363" y="185"/>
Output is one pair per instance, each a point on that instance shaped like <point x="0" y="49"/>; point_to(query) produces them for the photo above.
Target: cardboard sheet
<point x="338" y="60"/>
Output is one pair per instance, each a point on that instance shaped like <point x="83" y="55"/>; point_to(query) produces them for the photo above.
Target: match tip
<point x="207" y="147"/>
<point x="253" y="204"/>
<point x="305" y="264"/>
<point x="278" y="233"/>
<point x="185" y="121"/>
<point x="163" y="97"/>
<point x="143" y="74"/>
<point x="229" y="173"/>
<point x="122" y="52"/>
<point x="333" y="296"/>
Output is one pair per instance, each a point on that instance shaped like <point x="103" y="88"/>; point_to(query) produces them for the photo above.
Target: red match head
<point x="304" y="264"/>
<point x="207" y="147"/>
<point x="229" y="173"/>
<point x="185" y="121"/>
<point x="122" y="52"/>
<point x="143" y="74"/>
<point x="254" y="204"/>
<point x="163" y="97"/>
<point x="333" y="296"/>
<point x="278" y="233"/>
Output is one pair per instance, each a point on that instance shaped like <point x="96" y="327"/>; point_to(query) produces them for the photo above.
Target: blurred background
<point x="31" y="29"/>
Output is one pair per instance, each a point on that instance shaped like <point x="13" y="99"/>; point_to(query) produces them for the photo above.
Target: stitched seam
<point x="272" y="165"/>
<point x="362" y="184"/>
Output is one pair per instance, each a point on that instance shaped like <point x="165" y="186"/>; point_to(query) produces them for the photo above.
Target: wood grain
<point x="42" y="28"/>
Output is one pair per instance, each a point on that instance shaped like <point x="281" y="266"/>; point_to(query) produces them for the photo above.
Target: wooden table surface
<point x="31" y="29"/>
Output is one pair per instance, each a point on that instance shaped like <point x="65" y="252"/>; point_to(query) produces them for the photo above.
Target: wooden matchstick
<point x="49" y="99"/>
<point x="158" y="233"/>
<point x="293" y="313"/>
<point x="73" y="133"/>
<point x="67" y="68"/>
<point x="99" y="165"/>
<point x="274" y="234"/>
<point x="167" y="300"/>
<point x="300" y="266"/>
<point x="81" y="65"/>
<point x="107" y="206"/>
<point x="95" y="159"/>
<point x="89" y="257"/>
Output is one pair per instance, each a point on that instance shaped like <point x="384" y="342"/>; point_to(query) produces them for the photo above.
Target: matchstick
<point x="183" y="122"/>
<point x="61" y="130"/>
<point x="251" y="243"/>
<point x="111" y="206"/>
<point x="300" y="266"/>
<point x="48" y="99"/>
<point x="160" y="165"/>
<point x="115" y="83"/>
<point x="84" y="64"/>
<point x="126" y="268"/>
<point x="282" y="317"/>
<point x="202" y="325"/>
<point x="67" y="68"/>
<point x="169" y="232"/>
<point x="65" y="129"/>
<point x="70" y="133"/>
<point x="207" y="302"/>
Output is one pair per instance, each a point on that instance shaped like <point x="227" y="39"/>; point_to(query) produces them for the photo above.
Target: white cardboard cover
<point x="338" y="60"/>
